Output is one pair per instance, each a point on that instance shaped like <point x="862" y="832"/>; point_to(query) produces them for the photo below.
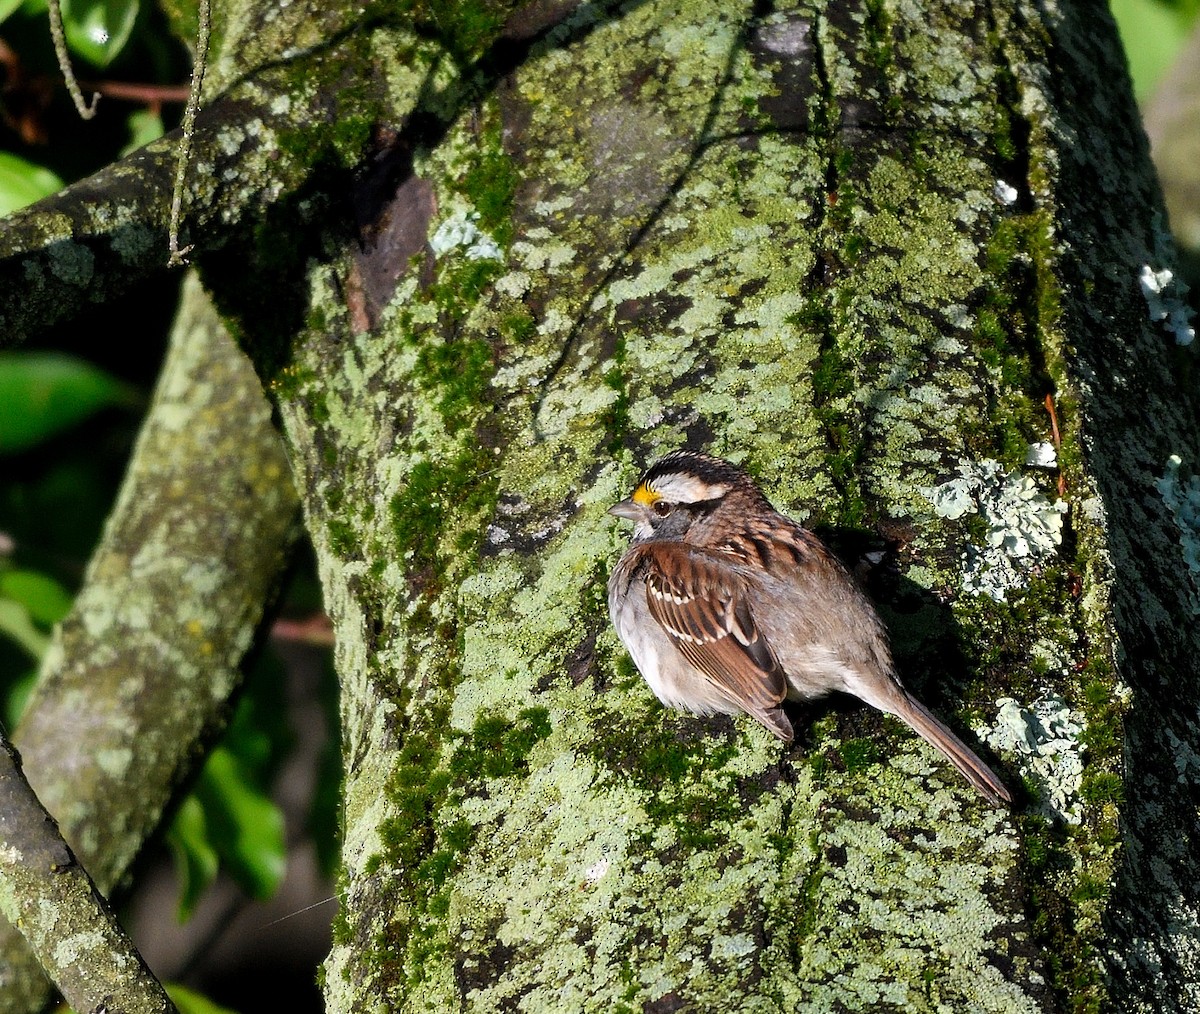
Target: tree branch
<point x="279" y="142"/>
<point x="62" y="916"/>
<point x="143" y="668"/>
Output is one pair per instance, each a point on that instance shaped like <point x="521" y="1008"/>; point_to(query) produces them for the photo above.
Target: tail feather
<point x="934" y="732"/>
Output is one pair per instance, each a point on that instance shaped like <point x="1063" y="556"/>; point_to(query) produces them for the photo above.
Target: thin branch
<point x="135" y="91"/>
<point x="208" y="507"/>
<point x="64" y="63"/>
<point x="178" y="256"/>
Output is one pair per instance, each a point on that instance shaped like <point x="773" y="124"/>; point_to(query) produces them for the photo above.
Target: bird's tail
<point x="931" y="729"/>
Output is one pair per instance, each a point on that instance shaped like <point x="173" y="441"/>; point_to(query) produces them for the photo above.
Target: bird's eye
<point x="662" y="508"/>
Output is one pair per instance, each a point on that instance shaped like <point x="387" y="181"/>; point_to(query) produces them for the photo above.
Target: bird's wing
<point x="703" y="603"/>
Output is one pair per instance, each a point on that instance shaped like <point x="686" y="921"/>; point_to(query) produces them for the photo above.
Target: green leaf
<point x="196" y="861"/>
<point x="18" y="694"/>
<point x="245" y="826"/>
<point x="97" y="30"/>
<point x="43" y="393"/>
<point x="45" y="599"/>
<point x="1153" y="34"/>
<point x="145" y="126"/>
<point x="22" y="182"/>
<point x="190" y="1002"/>
<point x="17" y="624"/>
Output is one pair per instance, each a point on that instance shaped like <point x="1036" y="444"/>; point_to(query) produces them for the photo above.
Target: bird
<point x="728" y="606"/>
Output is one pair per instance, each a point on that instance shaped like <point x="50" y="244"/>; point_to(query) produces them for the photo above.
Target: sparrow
<point x="728" y="606"/>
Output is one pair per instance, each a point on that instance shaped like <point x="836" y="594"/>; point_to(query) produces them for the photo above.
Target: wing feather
<point x="703" y="603"/>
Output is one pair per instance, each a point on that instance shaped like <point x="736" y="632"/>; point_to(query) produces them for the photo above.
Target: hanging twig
<point x="184" y="154"/>
<point x="64" y="63"/>
<point x="1062" y="480"/>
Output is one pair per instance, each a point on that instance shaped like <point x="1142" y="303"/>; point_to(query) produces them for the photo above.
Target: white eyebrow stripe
<point x="688" y="488"/>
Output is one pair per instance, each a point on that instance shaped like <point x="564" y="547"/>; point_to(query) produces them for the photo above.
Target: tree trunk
<point x="871" y="251"/>
<point x="859" y="249"/>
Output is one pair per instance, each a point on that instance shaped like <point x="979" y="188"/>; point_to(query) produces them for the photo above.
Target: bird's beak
<point x="628" y="510"/>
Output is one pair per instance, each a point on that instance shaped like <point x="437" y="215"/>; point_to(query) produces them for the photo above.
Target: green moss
<point x="1016" y="313"/>
<point x="499" y="747"/>
<point x="490" y="180"/>
<point x="629" y="978"/>
<point x="343" y="540"/>
<point x="341" y="930"/>
<point x="436" y="496"/>
<point x="425" y="839"/>
<point x="921" y="148"/>
<point x="688" y="778"/>
<point x="1089" y="888"/>
<point x="1069" y="868"/>
<point x="465" y="27"/>
<point x="808" y="902"/>
<point x="1048" y="857"/>
<point x="814" y="316"/>
<point x="289" y="381"/>
<point x="834" y="380"/>
<point x="1103" y="787"/>
<point x="459" y="286"/>
<point x="417" y="790"/>
<point x="852" y="248"/>
<point x="518" y="327"/>
<point x="1004" y="126"/>
<point x="350" y="137"/>
<point x="878" y="36"/>
<point x="457" y="489"/>
<point x="318" y="407"/>
<point x="989" y="328"/>
<point x="461" y="370"/>
<point x="858" y="754"/>
<point x="616" y="416"/>
<point x="343" y="137"/>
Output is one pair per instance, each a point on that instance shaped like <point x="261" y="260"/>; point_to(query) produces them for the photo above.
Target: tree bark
<point x="45" y="891"/>
<point x="855" y="247"/>
<point x="873" y="252"/>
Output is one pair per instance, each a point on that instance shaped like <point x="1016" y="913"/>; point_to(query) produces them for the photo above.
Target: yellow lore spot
<point x="646" y="496"/>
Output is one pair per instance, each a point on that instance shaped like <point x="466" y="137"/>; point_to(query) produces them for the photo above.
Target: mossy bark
<point x="853" y="247"/>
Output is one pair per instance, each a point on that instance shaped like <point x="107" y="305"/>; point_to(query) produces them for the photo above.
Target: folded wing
<point x="704" y="606"/>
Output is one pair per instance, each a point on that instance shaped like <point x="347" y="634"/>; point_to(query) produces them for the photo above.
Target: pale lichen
<point x="461" y="229"/>
<point x="1165" y="303"/>
<point x="1042" y="454"/>
<point x="1182" y="497"/>
<point x="1023" y="528"/>
<point x="1044" y="741"/>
